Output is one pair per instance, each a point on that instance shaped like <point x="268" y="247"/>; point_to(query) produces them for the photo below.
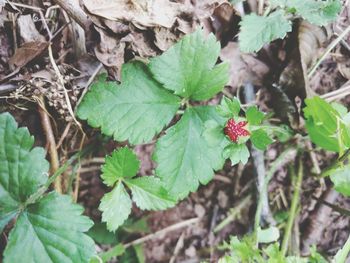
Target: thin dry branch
<point x="74" y="10"/>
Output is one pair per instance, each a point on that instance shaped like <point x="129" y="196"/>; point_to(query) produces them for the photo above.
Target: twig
<point x="178" y="247"/>
<point x="50" y="138"/>
<point x="328" y="50"/>
<point x="74" y="10"/>
<point x="293" y="208"/>
<point x="158" y="233"/>
<point x="284" y="158"/>
<point x="64" y="135"/>
<point x="88" y="83"/>
<point x="234" y="213"/>
<point x="77" y="178"/>
<point x="61" y="82"/>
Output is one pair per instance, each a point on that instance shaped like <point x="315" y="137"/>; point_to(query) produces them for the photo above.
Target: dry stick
<point x="328" y="50"/>
<point x="50" y="138"/>
<point x="74" y="10"/>
<point x="293" y="208"/>
<point x="61" y="83"/>
<point x="77" y="179"/>
<point x="178" y="247"/>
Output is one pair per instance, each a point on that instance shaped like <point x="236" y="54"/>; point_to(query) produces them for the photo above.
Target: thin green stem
<point x="293" y="208"/>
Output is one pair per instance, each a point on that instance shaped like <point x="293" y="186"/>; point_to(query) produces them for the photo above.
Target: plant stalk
<point x="293" y="208"/>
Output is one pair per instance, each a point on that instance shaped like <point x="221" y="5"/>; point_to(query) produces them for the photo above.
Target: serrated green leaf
<point x="236" y="153"/>
<point x="149" y="194"/>
<point x="184" y="157"/>
<point x="101" y="235"/>
<point x="23" y="169"/>
<point x="316" y="12"/>
<point x="50" y="231"/>
<point x="115" y="207"/>
<point x="213" y="133"/>
<point x="188" y="68"/>
<point x="321" y="123"/>
<point x="254" y="116"/>
<point x="256" y="31"/>
<point x="123" y="163"/>
<point x="260" y="139"/>
<point x="341" y="180"/>
<point x="136" y="110"/>
<point x="229" y="107"/>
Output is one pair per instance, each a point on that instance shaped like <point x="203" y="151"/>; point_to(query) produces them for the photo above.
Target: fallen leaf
<point x="26" y="53"/>
<point x="243" y="67"/>
<point x="27" y="29"/>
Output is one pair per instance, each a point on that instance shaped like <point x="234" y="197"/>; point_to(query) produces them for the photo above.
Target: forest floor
<point x="41" y="43"/>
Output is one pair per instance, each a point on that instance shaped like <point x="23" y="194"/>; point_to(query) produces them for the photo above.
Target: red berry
<point x="234" y="130"/>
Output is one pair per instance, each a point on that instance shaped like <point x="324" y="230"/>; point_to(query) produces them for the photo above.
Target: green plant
<point x="147" y="192"/>
<point x="149" y="97"/>
<point x="49" y="226"/>
<point x="277" y="24"/>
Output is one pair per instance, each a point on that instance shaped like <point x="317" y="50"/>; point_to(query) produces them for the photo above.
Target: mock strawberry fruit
<point x="234" y="130"/>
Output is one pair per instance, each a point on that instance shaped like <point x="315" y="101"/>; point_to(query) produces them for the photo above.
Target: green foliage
<point x="184" y="158"/>
<point x="341" y="180"/>
<point x="325" y="126"/>
<point x="260" y="135"/>
<point x="188" y="68"/>
<point x="270" y="27"/>
<point x="147" y="192"/>
<point x="147" y="100"/>
<point x="246" y="250"/>
<point x="135" y="110"/>
<point x="277" y="24"/>
<point x="49" y="228"/>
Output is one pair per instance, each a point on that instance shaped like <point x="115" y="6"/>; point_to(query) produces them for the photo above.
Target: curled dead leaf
<point x="243" y="67"/>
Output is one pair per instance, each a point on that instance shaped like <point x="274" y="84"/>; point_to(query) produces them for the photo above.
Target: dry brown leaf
<point x="28" y="30"/>
<point x="293" y="81"/>
<point x="142" y="13"/>
<point x="243" y="67"/>
<point x="26" y="53"/>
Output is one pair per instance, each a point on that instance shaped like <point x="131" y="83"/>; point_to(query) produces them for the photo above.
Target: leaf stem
<point x="293" y="208"/>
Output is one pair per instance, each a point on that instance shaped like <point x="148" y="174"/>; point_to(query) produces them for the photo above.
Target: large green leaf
<point x="122" y="163"/>
<point x="115" y="207"/>
<point x="321" y="123"/>
<point x="257" y="31"/>
<point x="136" y="110"/>
<point x="149" y="193"/>
<point x="316" y="12"/>
<point x="188" y="68"/>
<point x="22" y="169"/>
<point x="341" y="180"/>
<point x="50" y="230"/>
<point x="260" y="139"/>
<point x="184" y="157"/>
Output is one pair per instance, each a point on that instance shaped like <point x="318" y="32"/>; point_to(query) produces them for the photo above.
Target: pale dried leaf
<point x="28" y="30"/>
<point x="243" y="67"/>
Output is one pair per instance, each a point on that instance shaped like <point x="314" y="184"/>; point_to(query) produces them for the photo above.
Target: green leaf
<point x="213" y="133"/>
<point x="183" y="155"/>
<point x="149" y="194"/>
<point x="101" y="235"/>
<point x="123" y="163"/>
<point x="321" y="123"/>
<point x="316" y="12"/>
<point x="341" y="180"/>
<point x="229" y="108"/>
<point x="268" y="235"/>
<point x="188" y="68"/>
<point x="50" y="231"/>
<point x="23" y="169"/>
<point x="136" y="110"/>
<point x="236" y="153"/>
<point x="115" y="207"/>
<point x="254" y="116"/>
<point x="260" y="139"/>
<point x="257" y="31"/>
